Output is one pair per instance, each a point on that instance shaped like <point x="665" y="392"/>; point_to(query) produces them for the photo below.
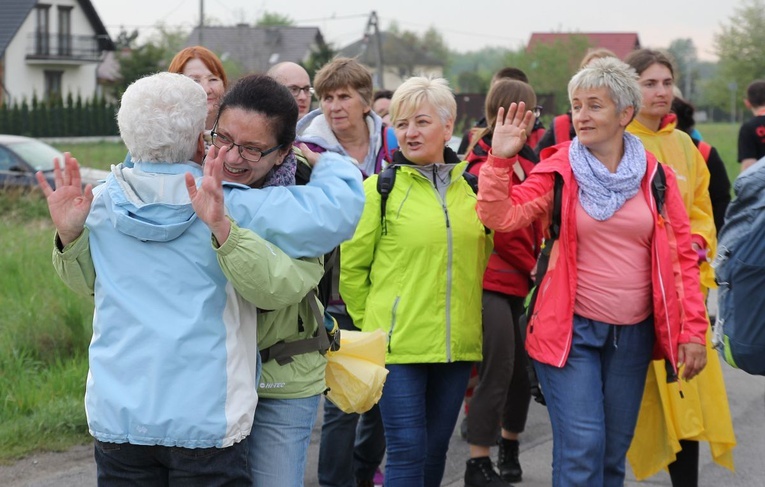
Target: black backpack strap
<point x="542" y="263"/>
<point x="472" y="180"/>
<point x="659" y="187"/>
<point x="385" y="181"/>
<point x="544" y="256"/>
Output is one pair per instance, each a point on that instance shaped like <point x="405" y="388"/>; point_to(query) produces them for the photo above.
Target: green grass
<point x="99" y="155"/>
<point x="724" y="138"/>
<point x="44" y="334"/>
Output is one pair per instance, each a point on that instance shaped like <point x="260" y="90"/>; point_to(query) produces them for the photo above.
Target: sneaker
<point x="479" y="472"/>
<point x="507" y="461"/>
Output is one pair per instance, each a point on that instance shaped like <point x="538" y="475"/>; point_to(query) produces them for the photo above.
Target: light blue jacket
<point x="169" y="362"/>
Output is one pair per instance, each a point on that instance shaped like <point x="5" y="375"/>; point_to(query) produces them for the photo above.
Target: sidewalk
<point x="746" y="395"/>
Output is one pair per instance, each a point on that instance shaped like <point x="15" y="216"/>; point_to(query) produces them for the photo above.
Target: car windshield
<point x="37" y="154"/>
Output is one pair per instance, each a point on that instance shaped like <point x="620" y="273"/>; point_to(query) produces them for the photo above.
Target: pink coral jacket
<point x="678" y="306"/>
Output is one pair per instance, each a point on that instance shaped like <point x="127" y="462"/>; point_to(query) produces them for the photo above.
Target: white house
<point x="50" y="48"/>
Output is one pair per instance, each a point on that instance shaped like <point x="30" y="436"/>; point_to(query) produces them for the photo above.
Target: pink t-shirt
<point x="614" y="264"/>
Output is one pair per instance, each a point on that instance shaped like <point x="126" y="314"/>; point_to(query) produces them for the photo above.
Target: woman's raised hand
<point x="207" y="200"/>
<point x="69" y="204"/>
<point x="510" y="130"/>
<point x="311" y="156"/>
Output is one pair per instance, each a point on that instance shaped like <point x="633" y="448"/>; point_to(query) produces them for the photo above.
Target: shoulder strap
<point x="472" y="180"/>
<point x="705" y="150"/>
<point x="562" y="128"/>
<point x="322" y="341"/>
<point x="544" y="256"/>
<point x="385" y="181"/>
<point x="659" y="187"/>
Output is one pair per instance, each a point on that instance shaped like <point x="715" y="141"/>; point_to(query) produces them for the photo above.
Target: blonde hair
<point x="418" y="90"/>
<point x="595" y="53"/>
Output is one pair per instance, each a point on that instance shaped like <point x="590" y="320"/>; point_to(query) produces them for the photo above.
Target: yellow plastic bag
<point x="355" y="374"/>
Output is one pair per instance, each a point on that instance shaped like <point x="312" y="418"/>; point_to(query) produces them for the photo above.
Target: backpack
<point x="658" y="188"/>
<point x="387" y="178"/>
<point x="739" y="331"/>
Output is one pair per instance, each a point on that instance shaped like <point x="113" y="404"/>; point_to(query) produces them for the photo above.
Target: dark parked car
<point x="21" y="157"/>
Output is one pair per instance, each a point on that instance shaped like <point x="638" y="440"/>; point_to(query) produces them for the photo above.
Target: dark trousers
<point x="502" y="395"/>
<point x="352" y="445"/>
<point x="126" y="465"/>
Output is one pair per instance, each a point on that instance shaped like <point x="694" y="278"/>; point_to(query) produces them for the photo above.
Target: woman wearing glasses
<point x="256" y="123"/>
<point x="503" y="394"/>
<point x="346" y="124"/>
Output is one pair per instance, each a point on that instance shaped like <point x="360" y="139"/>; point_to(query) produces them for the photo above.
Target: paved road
<point x="746" y="393"/>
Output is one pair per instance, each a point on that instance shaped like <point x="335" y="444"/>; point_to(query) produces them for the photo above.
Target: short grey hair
<point x="417" y="90"/>
<point x="619" y="78"/>
<point x="161" y="116"/>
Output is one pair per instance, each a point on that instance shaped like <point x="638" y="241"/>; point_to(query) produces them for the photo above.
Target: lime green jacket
<point x="421" y="282"/>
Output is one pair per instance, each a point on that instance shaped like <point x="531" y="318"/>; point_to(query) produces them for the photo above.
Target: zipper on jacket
<point x="449" y="269"/>
<point x="393" y="320"/>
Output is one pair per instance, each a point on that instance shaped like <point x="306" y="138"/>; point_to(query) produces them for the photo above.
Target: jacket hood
<point x="149" y="201"/>
<point x="667" y="125"/>
<point x="314" y="129"/>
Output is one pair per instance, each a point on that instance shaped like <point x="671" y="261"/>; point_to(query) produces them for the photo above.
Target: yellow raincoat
<point x="702" y="412"/>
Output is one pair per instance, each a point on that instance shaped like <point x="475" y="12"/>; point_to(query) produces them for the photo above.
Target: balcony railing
<point x="58" y="47"/>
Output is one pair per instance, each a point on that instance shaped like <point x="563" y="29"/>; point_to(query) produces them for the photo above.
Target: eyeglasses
<point x="537" y="111"/>
<point x="295" y="90"/>
<point x="247" y="152"/>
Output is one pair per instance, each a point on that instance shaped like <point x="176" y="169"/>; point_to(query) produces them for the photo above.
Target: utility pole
<point x="201" y="22"/>
<point x="373" y="29"/>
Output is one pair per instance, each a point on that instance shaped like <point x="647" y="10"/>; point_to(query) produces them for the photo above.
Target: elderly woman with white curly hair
<point x="622" y="279"/>
<point x="171" y="389"/>
<point x="414" y="269"/>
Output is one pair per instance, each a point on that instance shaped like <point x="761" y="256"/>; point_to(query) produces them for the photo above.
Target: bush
<point x="57" y="117"/>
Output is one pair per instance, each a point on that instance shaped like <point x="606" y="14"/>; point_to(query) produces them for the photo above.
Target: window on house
<point x="42" y="45"/>
<point x="65" y="31"/>
<point x="53" y="84"/>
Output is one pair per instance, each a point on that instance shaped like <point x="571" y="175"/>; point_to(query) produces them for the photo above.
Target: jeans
<point x="352" y="445"/>
<point x="279" y="440"/>
<point x="419" y="406"/>
<point x="126" y="465"/>
<point x="594" y="400"/>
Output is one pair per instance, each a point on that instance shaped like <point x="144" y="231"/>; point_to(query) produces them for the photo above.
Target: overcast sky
<point x="466" y="25"/>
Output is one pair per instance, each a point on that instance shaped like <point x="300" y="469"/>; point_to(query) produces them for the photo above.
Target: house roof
<point x="256" y="49"/>
<point x="621" y="43"/>
<point x="396" y="52"/>
<point x="14" y="12"/>
<point x="105" y="42"/>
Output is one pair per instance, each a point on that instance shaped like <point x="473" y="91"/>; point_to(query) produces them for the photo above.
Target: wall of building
<point x="23" y="77"/>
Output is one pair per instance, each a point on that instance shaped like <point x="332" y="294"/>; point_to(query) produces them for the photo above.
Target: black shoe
<point x="507" y="461"/>
<point x="479" y="472"/>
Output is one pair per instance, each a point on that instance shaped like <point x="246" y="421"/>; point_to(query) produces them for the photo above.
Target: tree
<point x="686" y="60"/>
<point x="738" y="45"/>
<point x="273" y="19"/>
<point x="320" y="55"/>
<point x="551" y="66"/>
<point x="125" y="39"/>
<point x="152" y="56"/>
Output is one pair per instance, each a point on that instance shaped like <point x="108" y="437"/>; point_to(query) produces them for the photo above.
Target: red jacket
<point x="515" y="253"/>
<point x="678" y="306"/>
